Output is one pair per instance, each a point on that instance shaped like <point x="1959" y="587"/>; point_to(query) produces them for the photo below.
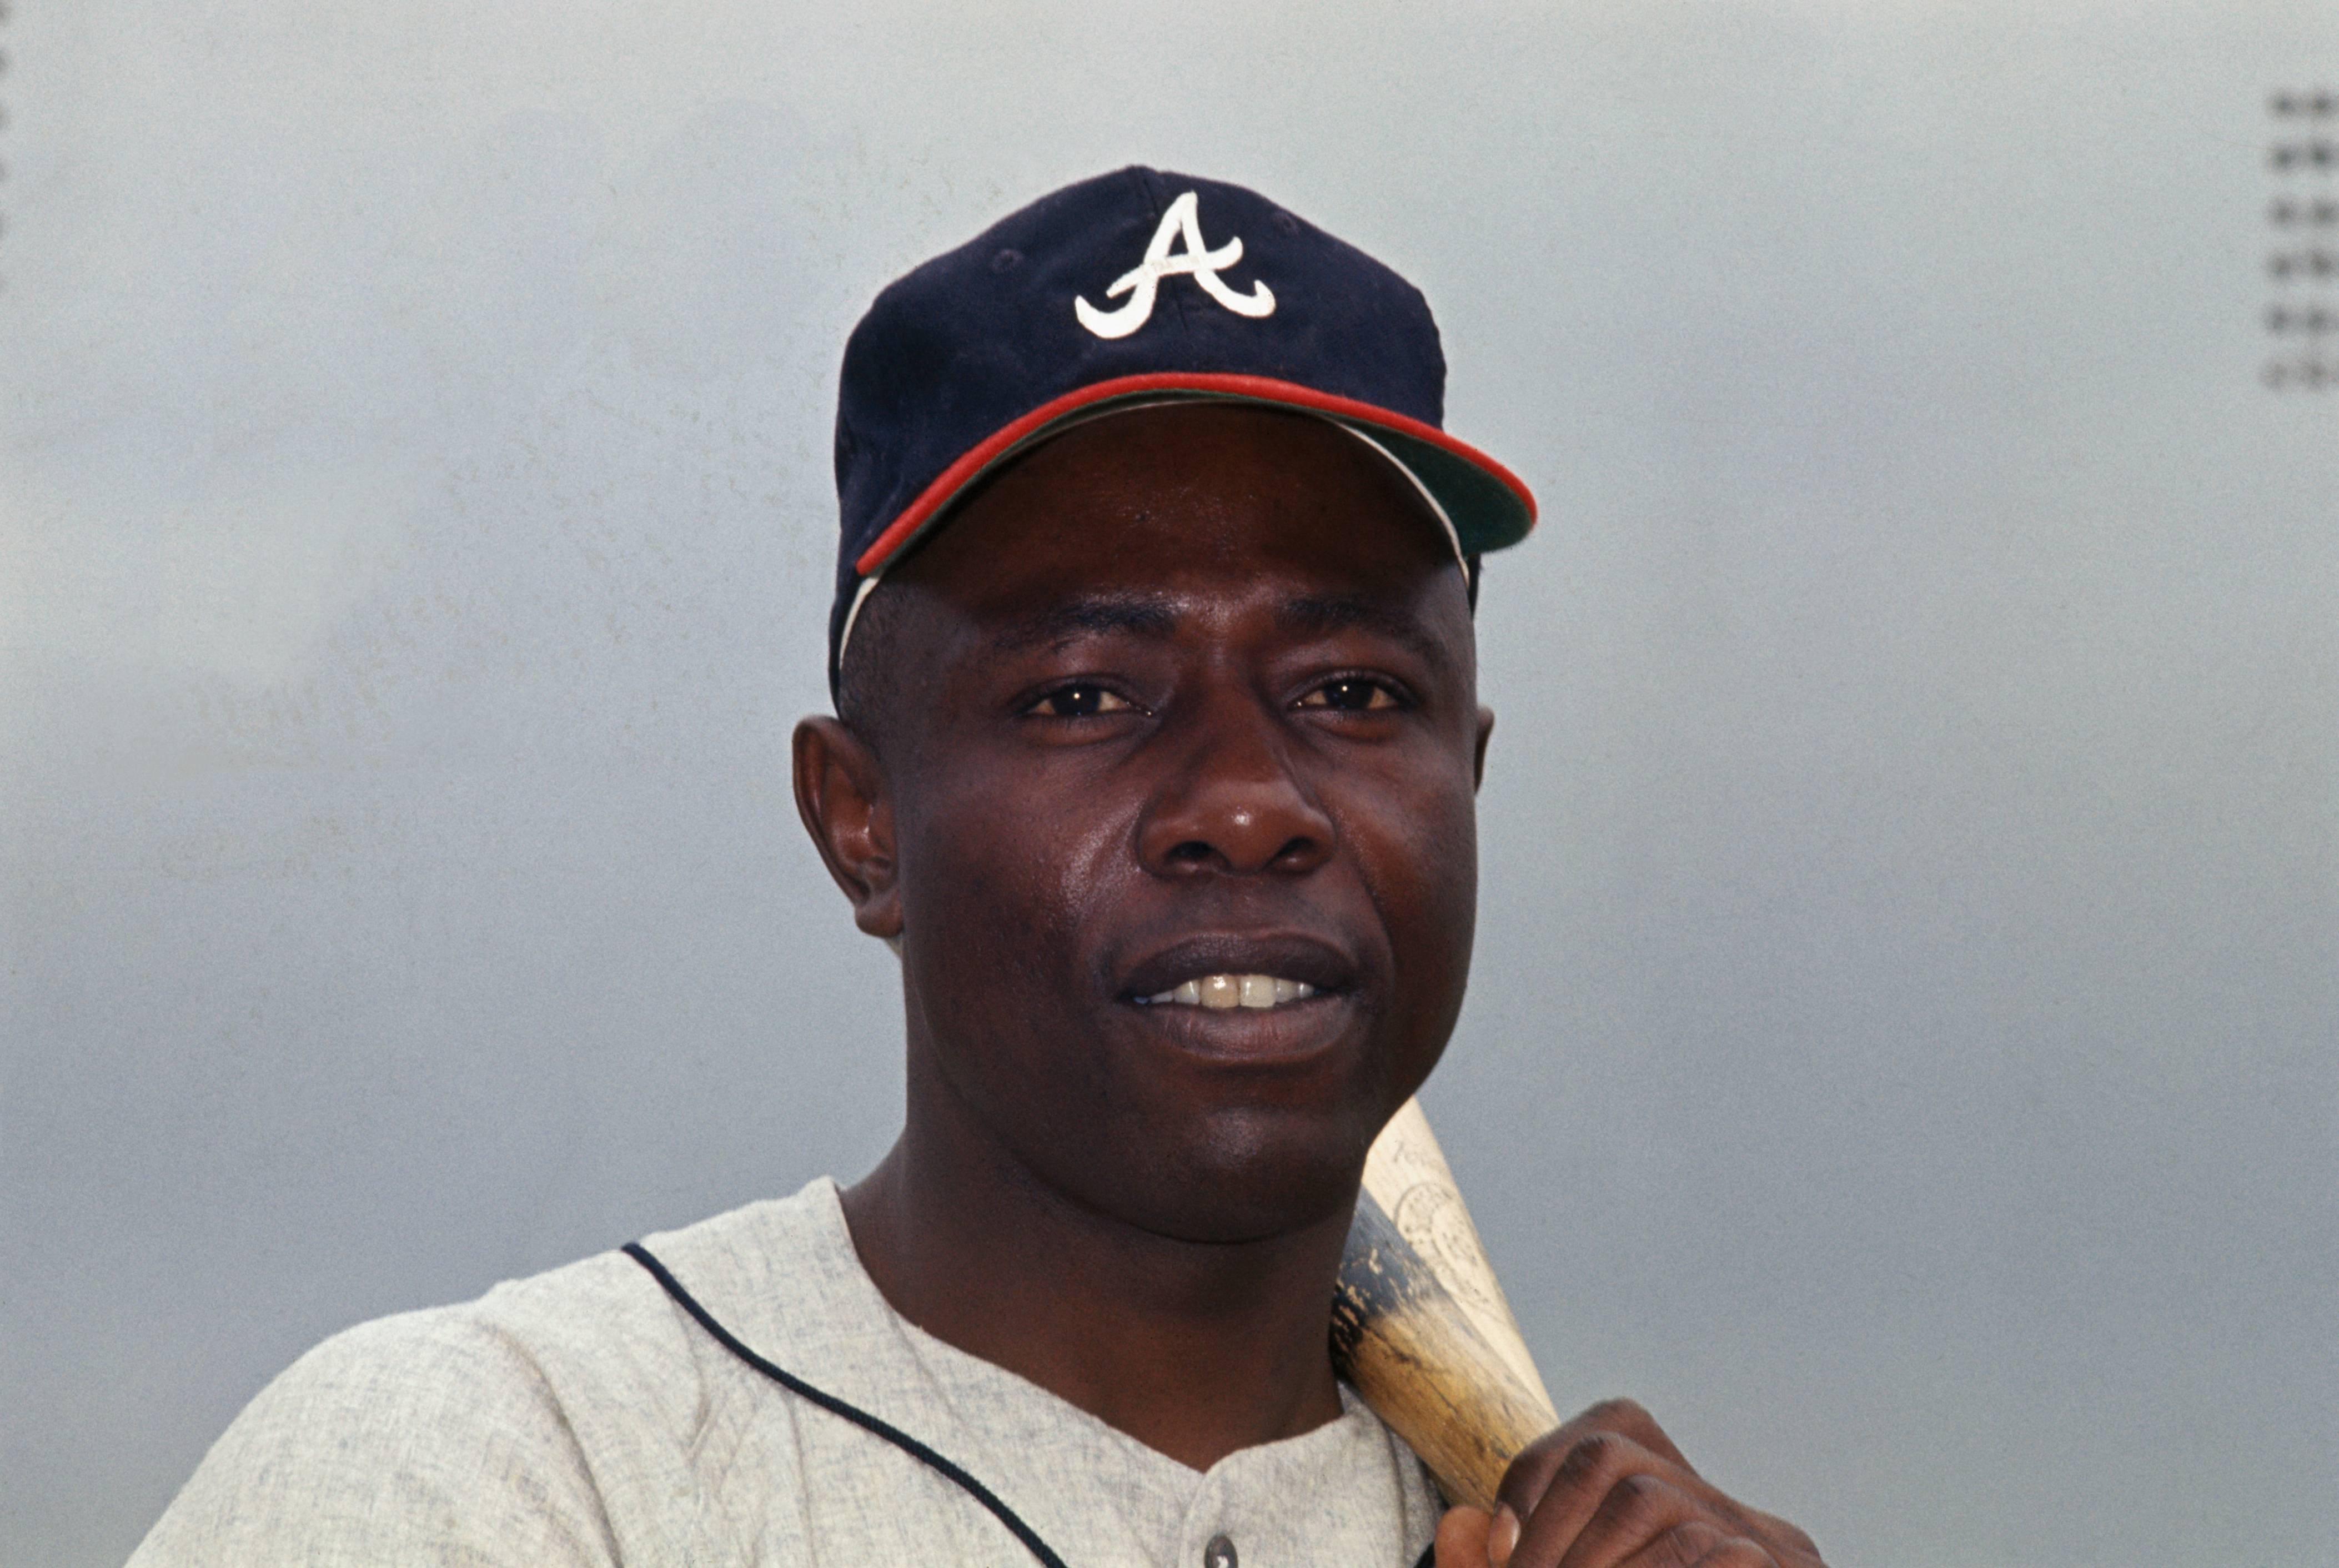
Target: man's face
<point x="1183" y="710"/>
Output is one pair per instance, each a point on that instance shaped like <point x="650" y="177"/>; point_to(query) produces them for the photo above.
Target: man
<point x="1156" y="744"/>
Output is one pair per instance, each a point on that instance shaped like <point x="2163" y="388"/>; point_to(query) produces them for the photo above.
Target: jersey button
<point x="1219" y="1554"/>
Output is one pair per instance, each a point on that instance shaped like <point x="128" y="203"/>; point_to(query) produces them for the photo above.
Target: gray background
<point x="1901" y="1050"/>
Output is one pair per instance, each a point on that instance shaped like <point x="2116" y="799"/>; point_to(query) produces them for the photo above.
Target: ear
<point x="841" y="796"/>
<point x="1478" y="764"/>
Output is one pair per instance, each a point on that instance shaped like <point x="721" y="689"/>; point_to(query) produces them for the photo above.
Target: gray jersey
<point x="583" y="1416"/>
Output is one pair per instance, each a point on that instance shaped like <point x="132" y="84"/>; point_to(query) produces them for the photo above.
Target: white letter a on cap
<point x="1143" y="281"/>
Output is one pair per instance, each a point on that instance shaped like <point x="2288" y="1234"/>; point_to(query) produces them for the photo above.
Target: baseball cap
<point x="1139" y="286"/>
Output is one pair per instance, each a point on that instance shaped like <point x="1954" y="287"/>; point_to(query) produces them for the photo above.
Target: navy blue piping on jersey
<point x="860" y="1418"/>
<point x="831" y="1402"/>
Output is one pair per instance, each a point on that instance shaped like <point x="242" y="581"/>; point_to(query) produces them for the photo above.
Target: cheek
<point x="1414" y="844"/>
<point x="1010" y="861"/>
<point x="1010" y="870"/>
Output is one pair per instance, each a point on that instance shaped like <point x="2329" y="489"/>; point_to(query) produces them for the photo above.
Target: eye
<point x="1080" y="702"/>
<point x="1350" y="693"/>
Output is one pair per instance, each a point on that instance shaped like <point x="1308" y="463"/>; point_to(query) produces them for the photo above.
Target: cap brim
<point x="1488" y="505"/>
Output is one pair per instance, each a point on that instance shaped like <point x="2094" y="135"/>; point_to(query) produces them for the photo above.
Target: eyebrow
<point x="1147" y="615"/>
<point x="1319" y="615"/>
<point x="1140" y="614"/>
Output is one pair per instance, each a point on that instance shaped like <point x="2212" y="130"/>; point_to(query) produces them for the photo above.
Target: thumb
<point x="1470" y="1537"/>
<point x="1462" y="1537"/>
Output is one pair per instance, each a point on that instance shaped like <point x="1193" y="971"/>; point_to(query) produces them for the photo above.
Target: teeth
<point x="1225" y="990"/>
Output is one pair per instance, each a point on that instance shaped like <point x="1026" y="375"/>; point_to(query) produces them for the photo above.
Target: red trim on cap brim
<point x="1262" y="388"/>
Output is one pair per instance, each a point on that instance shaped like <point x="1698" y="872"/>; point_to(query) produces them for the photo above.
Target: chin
<point x="1236" y="1175"/>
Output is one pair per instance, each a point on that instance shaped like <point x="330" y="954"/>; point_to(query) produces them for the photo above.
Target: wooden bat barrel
<point x="1406" y="1341"/>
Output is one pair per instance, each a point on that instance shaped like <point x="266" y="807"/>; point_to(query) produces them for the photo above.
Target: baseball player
<point x="1154" y="745"/>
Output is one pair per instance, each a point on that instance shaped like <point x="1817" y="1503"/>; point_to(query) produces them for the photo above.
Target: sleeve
<point x="427" y="1438"/>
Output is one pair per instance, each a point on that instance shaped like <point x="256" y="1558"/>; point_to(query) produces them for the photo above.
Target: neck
<point x="1194" y="1348"/>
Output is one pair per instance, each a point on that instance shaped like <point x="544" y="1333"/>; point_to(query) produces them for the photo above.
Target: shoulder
<point x="427" y="1434"/>
<point x="529" y="1425"/>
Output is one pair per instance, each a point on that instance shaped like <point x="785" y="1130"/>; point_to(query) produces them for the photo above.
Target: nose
<point x="1231" y="801"/>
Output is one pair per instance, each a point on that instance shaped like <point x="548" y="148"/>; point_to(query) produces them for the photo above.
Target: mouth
<point x="1230" y="972"/>
<point x="1286" y="1006"/>
<point x="1258" y="991"/>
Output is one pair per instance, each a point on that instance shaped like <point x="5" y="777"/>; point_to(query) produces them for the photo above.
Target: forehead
<point x="1189" y="506"/>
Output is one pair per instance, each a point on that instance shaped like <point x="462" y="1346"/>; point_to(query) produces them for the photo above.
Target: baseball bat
<point x="1420" y="1326"/>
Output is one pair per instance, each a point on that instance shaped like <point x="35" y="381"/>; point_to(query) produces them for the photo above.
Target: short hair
<point x="866" y="678"/>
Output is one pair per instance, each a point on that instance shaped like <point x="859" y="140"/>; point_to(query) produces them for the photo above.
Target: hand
<point x="1609" y="1490"/>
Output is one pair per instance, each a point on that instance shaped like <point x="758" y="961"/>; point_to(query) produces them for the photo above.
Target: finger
<point x="1682" y="1546"/>
<point x="1699" y="1545"/>
<point x="1556" y="1485"/>
<point x="1638" y="1510"/>
<point x="1574" y="1467"/>
<point x="1462" y="1537"/>
<point x="1786" y="1540"/>
<point x="1531" y="1474"/>
<point x="1629" y="1418"/>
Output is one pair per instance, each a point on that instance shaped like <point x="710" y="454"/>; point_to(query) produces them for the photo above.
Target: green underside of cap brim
<point x="1486" y="514"/>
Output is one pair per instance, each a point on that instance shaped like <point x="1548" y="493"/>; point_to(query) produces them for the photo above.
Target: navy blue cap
<point x="1138" y="285"/>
